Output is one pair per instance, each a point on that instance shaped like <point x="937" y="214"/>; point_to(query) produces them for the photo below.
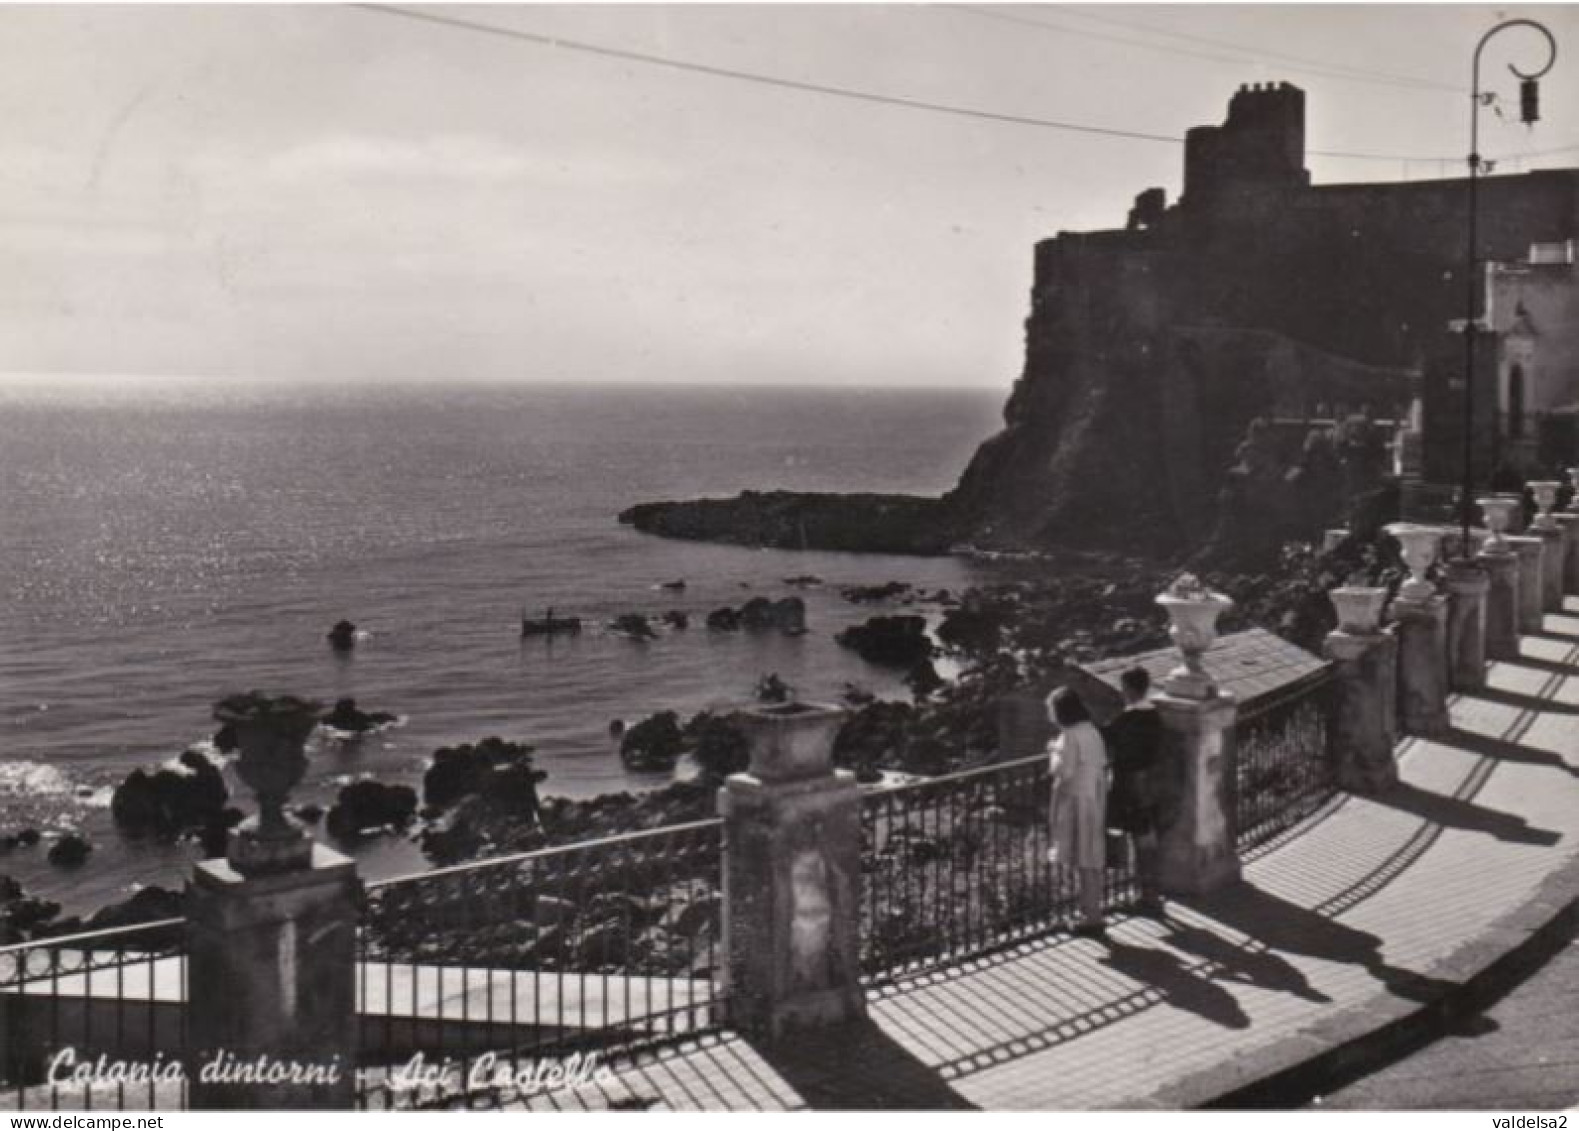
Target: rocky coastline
<point x="789" y="520"/>
<point x="488" y="798"/>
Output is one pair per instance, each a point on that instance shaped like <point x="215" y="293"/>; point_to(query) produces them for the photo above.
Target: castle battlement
<point x="1260" y="145"/>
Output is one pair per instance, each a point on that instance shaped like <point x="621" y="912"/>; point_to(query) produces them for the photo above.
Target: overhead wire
<point x="905" y="102"/>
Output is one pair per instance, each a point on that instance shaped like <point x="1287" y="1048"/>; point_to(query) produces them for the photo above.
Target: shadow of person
<point x="1453" y="813"/>
<point x="1240" y="963"/>
<point x="1291" y="929"/>
<point x="1472" y="1025"/>
<point x="855" y="1066"/>
<point x="1177" y="985"/>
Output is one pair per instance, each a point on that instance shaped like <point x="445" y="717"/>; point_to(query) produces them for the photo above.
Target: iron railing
<point x="1284" y="767"/>
<point x="487" y="970"/>
<point x="957" y="865"/>
<point x="95" y="1021"/>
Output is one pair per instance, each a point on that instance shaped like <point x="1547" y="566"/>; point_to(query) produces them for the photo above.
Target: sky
<point x="322" y="193"/>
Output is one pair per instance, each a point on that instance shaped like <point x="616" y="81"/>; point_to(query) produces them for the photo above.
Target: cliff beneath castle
<point x="1150" y="350"/>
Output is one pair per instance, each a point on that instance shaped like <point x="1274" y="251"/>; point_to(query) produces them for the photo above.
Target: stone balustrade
<point x="272" y="956"/>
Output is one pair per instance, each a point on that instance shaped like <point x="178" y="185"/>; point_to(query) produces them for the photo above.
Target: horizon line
<point x="111" y="380"/>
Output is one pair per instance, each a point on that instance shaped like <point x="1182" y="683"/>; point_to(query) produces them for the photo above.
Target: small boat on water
<point x="550" y="625"/>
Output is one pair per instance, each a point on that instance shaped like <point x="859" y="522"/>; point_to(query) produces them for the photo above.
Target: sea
<point x="163" y="544"/>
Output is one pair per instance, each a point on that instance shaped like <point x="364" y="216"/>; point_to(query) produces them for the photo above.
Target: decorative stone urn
<point x="1546" y="498"/>
<point x="271" y="733"/>
<point x="1498" y="510"/>
<point x="1193" y="609"/>
<point x="791" y="741"/>
<point x="1420" y="546"/>
<point x="1359" y="608"/>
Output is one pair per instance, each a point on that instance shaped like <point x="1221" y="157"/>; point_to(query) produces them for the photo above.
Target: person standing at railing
<point x="1078" y="813"/>
<point x="1134" y="740"/>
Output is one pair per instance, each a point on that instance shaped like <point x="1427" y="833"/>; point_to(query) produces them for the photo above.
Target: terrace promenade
<point x="817" y="945"/>
<point x="1372" y="913"/>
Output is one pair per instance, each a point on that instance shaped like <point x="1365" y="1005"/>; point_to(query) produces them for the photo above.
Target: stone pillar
<point x="1365" y="667"/>
<point x="271" y="974"/>
<point x="1568" y="523"/>
<point x="271" y="939"/>
<point x="1197" y="849"/>
<point x="1532" y="581"/>
<point x="792" y="874"/>
<point x="1502" y="603"/>
<point x="1422" y="664"/>
<point x="1552" y="564"/>
<point x="1466" y="626"/>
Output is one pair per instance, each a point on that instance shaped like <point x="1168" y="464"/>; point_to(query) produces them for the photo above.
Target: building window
<point x="1516" y="402"/>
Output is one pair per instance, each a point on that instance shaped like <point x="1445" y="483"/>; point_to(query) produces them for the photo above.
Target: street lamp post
<point x="1529" y="113"/>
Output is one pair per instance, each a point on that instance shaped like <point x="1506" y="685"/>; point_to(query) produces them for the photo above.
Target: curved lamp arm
<point x="1551" y="49"/>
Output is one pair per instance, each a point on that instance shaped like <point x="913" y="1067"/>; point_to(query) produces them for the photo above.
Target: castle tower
<point x="1260" y="148"/>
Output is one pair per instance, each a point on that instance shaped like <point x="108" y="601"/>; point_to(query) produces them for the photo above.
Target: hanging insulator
<point x="1529" y="102"/>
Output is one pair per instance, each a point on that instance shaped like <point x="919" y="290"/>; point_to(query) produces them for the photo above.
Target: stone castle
<point x="1149" y="350"/>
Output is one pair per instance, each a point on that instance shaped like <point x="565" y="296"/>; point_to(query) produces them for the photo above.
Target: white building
<point x="1533" y="308"/>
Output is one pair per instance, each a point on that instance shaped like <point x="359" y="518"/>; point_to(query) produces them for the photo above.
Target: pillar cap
<point x="790" y="740"/>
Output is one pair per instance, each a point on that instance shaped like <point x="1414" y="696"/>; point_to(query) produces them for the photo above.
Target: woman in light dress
<point x="1079" y="807"/>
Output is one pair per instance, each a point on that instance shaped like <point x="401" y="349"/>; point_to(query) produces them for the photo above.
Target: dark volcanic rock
<point x="787" y="615"/>
<point x="492" y="767"/>
<point x="923" y="679"/>
<point x="633" y="625"/>
<point x="873" y="735"/>
<point x="772" y="689"/>
<point x="975" y="627"/>
<point x="169" y="802"/>
<point x="895" y="642"/>
<point x="70" y="851"/>
<point x="869" y="594"/>
<point x="144" y="906"/>
<point x="718" y="745"/>
<point x="22" y="916"/>
<point x="788" y="520"/>
<point x="654" y="744"/>
<point x="370" y="805"/>
<point x="455" y="838"/>
<point x="346" y="716"/>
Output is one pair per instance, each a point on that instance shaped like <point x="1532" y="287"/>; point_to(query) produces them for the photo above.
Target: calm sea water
<point x="164" y="545"/>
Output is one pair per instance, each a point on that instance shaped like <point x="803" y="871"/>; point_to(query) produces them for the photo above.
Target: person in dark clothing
<point x="1138" y="793"/>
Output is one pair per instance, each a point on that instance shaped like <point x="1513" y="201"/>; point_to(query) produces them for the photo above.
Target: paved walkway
<point x="1522" y="1054"/>
<point x="1346" y="915"/>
